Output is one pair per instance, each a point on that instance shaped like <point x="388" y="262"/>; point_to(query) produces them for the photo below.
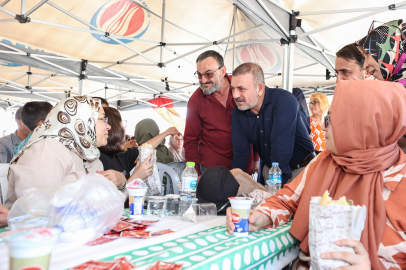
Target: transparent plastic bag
<point x="84" y="210"/>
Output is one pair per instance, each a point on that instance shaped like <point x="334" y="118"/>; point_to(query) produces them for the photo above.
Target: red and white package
<point x="165" y="266"/>
<point x="164" y="232"/>
<point x="95" y="265"/>
<point x="112" y="234"/>
<point x="137" y="228"/>
<point x="136" y="234"/>
<point x="101" y="240"/>
<point x="117" y="264"/>
<point x="146" y="222"/>
<point x="121" y="225"/>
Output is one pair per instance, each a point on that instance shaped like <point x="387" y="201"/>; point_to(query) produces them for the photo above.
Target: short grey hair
<point x="252" y="68"/>
<point x="18" y="114"/>
<point x="211" y="53"/>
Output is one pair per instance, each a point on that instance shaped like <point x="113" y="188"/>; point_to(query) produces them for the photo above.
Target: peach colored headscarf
<point x="368" y="118"/>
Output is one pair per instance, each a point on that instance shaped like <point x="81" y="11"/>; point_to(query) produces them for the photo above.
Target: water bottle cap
<point x="190" y="163"/>
<point x="275" y="164"/>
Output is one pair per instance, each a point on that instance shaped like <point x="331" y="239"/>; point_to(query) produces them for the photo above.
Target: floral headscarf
<point x="73" y="123"/>
<point x="386" y="44"/>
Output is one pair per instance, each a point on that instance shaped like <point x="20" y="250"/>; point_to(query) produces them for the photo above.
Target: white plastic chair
<point x="178" y="167"/>
<point x="3" y="181"/>
<point x="172" y="178"/>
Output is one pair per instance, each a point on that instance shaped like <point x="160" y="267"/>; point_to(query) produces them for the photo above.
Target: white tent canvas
<point x="135" y="50"/>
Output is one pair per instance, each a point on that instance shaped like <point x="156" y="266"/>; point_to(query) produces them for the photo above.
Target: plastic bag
<point x="84" y="210"/>
<point x="153" y="182"/>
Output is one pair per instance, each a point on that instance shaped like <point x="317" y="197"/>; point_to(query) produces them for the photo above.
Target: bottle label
<point x="189" y="183"/>
<point x="275" y="178"/>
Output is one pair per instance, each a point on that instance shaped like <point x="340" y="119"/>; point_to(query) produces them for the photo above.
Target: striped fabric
<point x="7" y="146"/>
<point x="392" y="250"/>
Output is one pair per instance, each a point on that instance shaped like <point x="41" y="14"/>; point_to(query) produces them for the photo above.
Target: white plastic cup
<point x="136" y="197"/>
<point x="30" y="248"/>
<point x="240" y="207"/>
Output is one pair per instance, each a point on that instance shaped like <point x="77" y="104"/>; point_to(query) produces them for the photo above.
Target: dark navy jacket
<point x="277" y="132"/>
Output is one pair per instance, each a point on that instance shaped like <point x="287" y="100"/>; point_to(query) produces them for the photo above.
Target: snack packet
<point x="330" y="221"/>
<point x="136" y="234"/>
<point x="165" y="266"/>
<point x="164" y="232"/>
<point x="101" y="240"/>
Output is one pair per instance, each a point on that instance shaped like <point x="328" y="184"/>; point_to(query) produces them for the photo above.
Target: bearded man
<point x="269" y="119"/>
<point x="207" y="139"/>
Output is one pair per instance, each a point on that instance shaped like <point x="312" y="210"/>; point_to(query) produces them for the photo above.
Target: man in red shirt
<point x="207" y="139"/>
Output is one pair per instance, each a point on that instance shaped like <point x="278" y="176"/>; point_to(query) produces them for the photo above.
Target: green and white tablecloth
<point x="212" y="249"/>
<point x="215" y="249"/>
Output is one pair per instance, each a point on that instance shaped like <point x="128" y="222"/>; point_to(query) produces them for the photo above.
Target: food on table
<point x="136" y="234"/>
<point x="159" y="265"/>
<point x="117" y="264"/>
<point x="164" y="232"/>
<point x="327" y="200"/>
<point x="101" y="240"/>
<point x="121" y="225"/>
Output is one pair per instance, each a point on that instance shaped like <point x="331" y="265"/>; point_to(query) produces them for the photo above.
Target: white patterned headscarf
<point x="73" y="123"/>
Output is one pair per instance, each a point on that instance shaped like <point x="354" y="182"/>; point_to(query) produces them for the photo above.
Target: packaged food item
<point x="120" y="226"/>
<point x="136" y="234"/>
<point x="240" y="208"/>
<point x="159" y="265"/>
<point x="101" y="240"/>
<point x="136" y="183"/>
<point x="331" y="220"/>
<point x="147" y="222"/>
<point x="146" y="145"/>
<point x="136" y="197"/>
<point x="327" y="200"/>
<point x="164" y="232"/>
<point x="30" y="248"/>
<point x="117" y="264"/>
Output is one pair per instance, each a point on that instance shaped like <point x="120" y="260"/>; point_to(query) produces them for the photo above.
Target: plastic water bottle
<point x="189" y="180"/>
<point x="275" y="178"/>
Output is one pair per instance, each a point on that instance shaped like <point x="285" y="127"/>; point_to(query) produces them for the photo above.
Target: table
<point x="202" y="245"/>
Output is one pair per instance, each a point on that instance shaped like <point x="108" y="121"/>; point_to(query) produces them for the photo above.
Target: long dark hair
<point x="116" y="133"/>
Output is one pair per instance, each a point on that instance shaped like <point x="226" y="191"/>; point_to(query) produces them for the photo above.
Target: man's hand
<point x="116" y="177"/>
<point x="256" y="167"/>
<point x="143" y="170"/>
<point x="359" y="260"/>
<point x="257" y="220"/>
<point x="3" y="215"/>
<point x="130" y="144"/>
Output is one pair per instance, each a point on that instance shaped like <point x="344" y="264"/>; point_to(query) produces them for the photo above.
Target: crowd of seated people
<point x="238" y="122"/>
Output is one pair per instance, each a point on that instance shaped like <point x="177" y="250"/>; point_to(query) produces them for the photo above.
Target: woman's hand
<point x="257" y="220"/>
<point x="3" y="215"/>
<point x="130" y="144"/>
<point x="143" y="170"/>
<point x="172" y="131"/>
<point x="116" y="177"/>
<point x="359" y="260"/>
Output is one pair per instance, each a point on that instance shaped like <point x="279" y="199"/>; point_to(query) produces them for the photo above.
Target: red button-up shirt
<point x="208" y="131"/>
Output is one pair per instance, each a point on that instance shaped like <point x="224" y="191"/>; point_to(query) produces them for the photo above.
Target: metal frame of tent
<point x="279" y="24"/>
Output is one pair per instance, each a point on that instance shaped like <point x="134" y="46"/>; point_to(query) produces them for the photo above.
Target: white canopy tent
<point x="131" y="51"/>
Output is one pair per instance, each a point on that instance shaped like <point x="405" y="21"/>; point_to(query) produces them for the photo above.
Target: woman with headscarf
<point x="115" y="157"/>
<point x="176" y="147"/>
<point x="147" y="129"/>
<point x="318" y="104"/>
<point x="385" y="51"/>
<point x="363" y="162"/>
<point x="63" y="148"/>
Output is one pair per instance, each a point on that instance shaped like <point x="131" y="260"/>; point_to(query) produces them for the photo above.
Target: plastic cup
<point x="171" y="207"/>
<point x="185" y="203"/>
<point x="240" y="207"/>
<point x="205" y="211"/>
<point x="30" y="248"/>
<point x="136" y="197"/>
<point x="156" y="206"/>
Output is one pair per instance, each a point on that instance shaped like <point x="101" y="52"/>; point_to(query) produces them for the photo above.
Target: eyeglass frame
<point x="313" y="103"/>
<point x="105" y="119"/>
<point x="211" y="74"/>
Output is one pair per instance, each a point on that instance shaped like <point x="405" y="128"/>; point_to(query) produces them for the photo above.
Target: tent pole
<point x="29" y="77"/>
<point x="23" y="6"/>
<point x="291" y="61"/>
<point x="162" y="32"/>
<point x="285" y="66"/>
<point x="82" y="76"/>
<point x="235" y="20"/>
